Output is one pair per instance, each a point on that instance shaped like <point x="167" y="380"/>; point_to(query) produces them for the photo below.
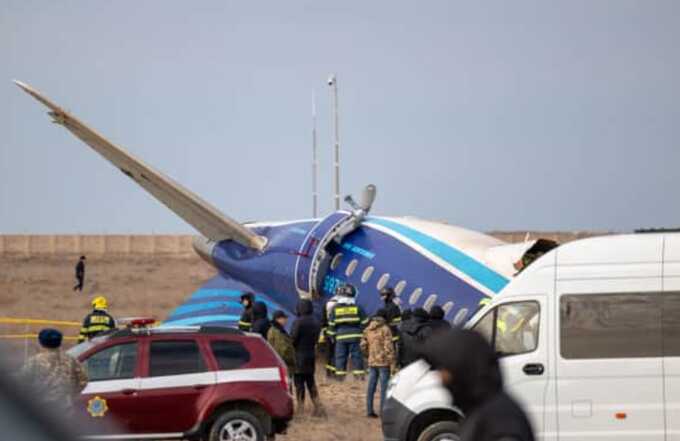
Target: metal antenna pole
<point x="333" y="83"/>
<point x="315" y="162"/>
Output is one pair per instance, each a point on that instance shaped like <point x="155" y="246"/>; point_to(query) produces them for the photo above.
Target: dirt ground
<point x="42" y="288"/>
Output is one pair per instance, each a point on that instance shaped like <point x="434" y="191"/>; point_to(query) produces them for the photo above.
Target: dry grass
<point x="41" y="287"/>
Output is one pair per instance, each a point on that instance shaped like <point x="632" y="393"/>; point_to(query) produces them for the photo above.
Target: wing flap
<point x="207" y="219"/>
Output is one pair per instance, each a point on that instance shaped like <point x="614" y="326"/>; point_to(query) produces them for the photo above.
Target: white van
<point x="589" y="336"/>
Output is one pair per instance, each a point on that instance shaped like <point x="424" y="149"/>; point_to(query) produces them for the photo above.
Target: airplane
<point x="425" y="262"/>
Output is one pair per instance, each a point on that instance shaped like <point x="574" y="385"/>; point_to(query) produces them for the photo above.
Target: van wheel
<point x="441" y="431"/>
<point x="237" y="425"/>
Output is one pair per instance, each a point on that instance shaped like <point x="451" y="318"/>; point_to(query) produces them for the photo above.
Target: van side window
<point x="595" y="325"/>
<point x="671" y="323"/>
<point x="511" y="328"/>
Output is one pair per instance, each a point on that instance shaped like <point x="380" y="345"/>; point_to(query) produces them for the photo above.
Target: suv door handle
<point x="128" y="391"/>
<point x="200" y="386"/>
<point x="533" y="369"/>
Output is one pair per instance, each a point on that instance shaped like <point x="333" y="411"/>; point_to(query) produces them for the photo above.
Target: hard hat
<point x="100" y="302"/>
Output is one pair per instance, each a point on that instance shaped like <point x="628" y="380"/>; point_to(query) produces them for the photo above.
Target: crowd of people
<point x="387" y="340"/>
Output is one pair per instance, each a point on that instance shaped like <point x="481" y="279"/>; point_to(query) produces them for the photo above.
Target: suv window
<point x="594" y="325"/>
<point x="511" y="328"/>
<point x="175" y="358"/>
<point x="113" y="363"/>
<point x="229" y="354"/>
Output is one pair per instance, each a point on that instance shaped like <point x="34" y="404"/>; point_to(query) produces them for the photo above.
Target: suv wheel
<point x="237" y="425"/>
<point x="441" y="431"/>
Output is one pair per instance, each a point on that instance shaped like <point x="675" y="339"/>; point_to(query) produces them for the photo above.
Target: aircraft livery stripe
<point x="193" y="307"/>
<point x="201" y="319"/>
<point x="477" y="271"/>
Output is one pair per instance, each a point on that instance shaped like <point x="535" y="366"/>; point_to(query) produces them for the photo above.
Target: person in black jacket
<point x="469" y="369"/>
<point x="80" y="274"/>
<point x="246" y="321"/>
<point x="414" y="332"/>
<point x="261" y="323"/>
<point x="437" y="323"/>
<point x="392" y="310"/>
<point x="305" y="335"/>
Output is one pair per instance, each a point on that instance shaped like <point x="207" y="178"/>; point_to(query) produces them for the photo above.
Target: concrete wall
<point x="35" y="245"/>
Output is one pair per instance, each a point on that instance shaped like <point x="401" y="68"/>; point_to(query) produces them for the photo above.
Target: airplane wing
<point x="208" y="220"/>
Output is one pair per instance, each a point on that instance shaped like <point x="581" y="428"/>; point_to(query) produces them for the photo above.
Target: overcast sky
<point x="490" y="115"/>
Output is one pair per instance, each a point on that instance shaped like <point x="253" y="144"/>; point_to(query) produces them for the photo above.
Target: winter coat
<point x="414" y="332"/>
<point x="376" y="343"/>
<point x="305" y="335"/>
<point x="279" y="339"/>
<point x="393" y="318"/>
<point x="477" y="389"/>
<point x="261" y="323"/>
<point x="437" y="323"/>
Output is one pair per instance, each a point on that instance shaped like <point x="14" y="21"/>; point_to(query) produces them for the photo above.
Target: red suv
<point x="207" y="383"/>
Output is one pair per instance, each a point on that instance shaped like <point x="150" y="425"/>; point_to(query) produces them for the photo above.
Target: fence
<point x="31" y="245"/>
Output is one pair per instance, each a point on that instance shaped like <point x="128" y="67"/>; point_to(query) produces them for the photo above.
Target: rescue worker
<point x="98" y="321"/>
<point x="246" y="321"/>
<point x="261" y="323"/>
<point x="80" y="274"/>
<point x="436" y="322"/>
<point x="469" y="370"/>
<point x="56" y="378"/>
<point x="279" y="339"/>
<point x="305" y="335"/>
<point x="414" y="332"/>
<point x="327" y="338"/>
<point x="392" y="311"/>
<point x="345" y="323"/>
<point x="377" y="345"/>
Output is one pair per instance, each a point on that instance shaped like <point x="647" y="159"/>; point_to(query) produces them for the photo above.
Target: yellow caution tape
<point x="30" y="336"/>
<point x="20" y="321"/>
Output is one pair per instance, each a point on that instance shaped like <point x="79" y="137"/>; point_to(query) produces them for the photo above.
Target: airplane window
<point x="460" y="316"/>
<point x="336" y="261"/>
<point x="368" y="272"/>
<point x="415" y="295"/>
<point x="351" y="267"/>
<point x="383" y="281"/>
<point x="429" y="303"/>
<point x="400" y="287"/>
<point x="447" y="307"/>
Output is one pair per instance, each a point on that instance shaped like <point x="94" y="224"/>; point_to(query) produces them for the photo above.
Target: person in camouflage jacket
<point x="53" y="375"/>
<point x="376" y="344"/>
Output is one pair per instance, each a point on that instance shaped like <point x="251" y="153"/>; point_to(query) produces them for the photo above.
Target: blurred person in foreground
<point x="376" y="344"/>
<point x="98" y="321"/>
<point x="305" y="335"/>
<point x="469" y="369"/>
<point x="56" y="378"/>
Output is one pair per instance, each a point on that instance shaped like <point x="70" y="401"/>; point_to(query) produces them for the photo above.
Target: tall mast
<point x="315" y="162"/>
<point x="333" y="83"/>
